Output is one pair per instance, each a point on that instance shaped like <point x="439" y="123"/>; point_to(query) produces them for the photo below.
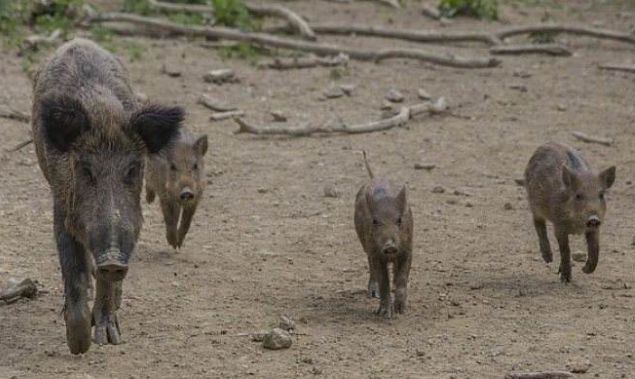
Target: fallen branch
<point x="591" y="139"/>
<point x="13" y="114"/>
<point x="404" y="115"/>
<point x="569" y="29"/>
<point x="262" y="10"/>
<point x="25" y="288"/>
<point x="287" y="43"/>
<point x="215" y="105"/>
<point x="618" y="67"/>
<point x="539" y="375"/>
<point x="33" y="41"/>
<point x="20" y="146"/>
<point x="554" y="49"/>
<point x="225" y="115"/>
<point x="280" y="63"/>
<point x="390" y="3"/>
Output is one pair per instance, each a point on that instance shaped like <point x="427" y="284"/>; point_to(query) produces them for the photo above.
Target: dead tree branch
<point x="539" y="375"/>
<point x="287" y="43"/>
<point x="20" y="146"/>
<point x="225" y="115"/>
<point x="25" y="288"/>
<point x="591" y="139"/>
<point x="618" y="67"/>
<point x="554" y="49"/>
<point x="569" y="29"/>
<point x="13" y="114"/>
<point x="404" y="115"/>
<point x="264" y="10"/>
<point x="280" y="63"/>
<point x="215" y="105"/>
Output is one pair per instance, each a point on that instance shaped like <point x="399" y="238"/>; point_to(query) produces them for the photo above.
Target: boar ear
<point x="157" y="125"/>
<point x="568" y="177"/>
<point x="200" y="146"/>
<point x="402" y="201"/>
<point x="607" y="177"/>
<point x="63" y="120"/>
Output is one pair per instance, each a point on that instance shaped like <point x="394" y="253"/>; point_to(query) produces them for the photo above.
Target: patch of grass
<point x="141" y="7"/>
<point x="243" y="51"/>
<point x="483" y="9"/>
<point x="12" y="20"/>
<point x="60" y="14"/>
<point x="187" y="18"/>
<point x="233" y="13"/>
<point x="337" y="73"/>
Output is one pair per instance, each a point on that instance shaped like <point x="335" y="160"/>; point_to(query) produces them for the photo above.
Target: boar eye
<point x="87" y="172"/>
<point x="601" y="195"/>
<point x="579" y="196"/>
<point x="195" y="166"/>
<point x="132" y="173"/>
<point x="172" y="167"/>
<point x="375" y="222"/>
<point x="399" y="221"/>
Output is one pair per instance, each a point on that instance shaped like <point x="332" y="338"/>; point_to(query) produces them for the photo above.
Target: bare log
<point x="20" y="146"/>
<point x="215" y="105"/>
<point x="25" y="288"/>
<point x="13" y="114"/>
<point x="554" y="49"/>
<point x="263" y="10"/>
<point x="280" y="63"/>
<point x="569" y="29"/>
<point x="404" y="115"/>
<point x="618" y="67"/>
<point x="539" y="375"/>
<point x="225" y="115"/>
<point x="592" y="139"/>
<point x="287" y="43"/>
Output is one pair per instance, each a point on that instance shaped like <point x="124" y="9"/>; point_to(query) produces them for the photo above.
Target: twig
<point x="25" y="288"/>
<point x="618" y="67"/>
<point x="591" y="139"/>
<point x="405" y="114"/>
<point x="390" y="3"/>
<point x="263" y="10"/>
<point x="215" y="105"/>
<point x="570" y="29"/>
<point x="13" y="114"/>
<point x="280" y="63"/>
<point x="539" y="375"/>
<point x="20" y="146"/>
<point x="225" y="115"/>
<point x="287" y="43"/>
<point x="554" y="49"/>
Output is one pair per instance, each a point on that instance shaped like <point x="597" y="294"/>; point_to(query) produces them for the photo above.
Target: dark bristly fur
<point x="91" y="139"/>
<point x="383" y="221"/>
<point x="177" y="175"/>
<point x="563" y="190"/>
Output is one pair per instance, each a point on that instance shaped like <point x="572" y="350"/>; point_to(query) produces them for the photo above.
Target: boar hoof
<point x="385" y="311"/>
<point x="77" y="328"/>
<point x="150" y="196"/>
<point x="373" y="290"/>
<point x="400" y="306"/>
<point x="172" y="239"/>
<point x="547" y="256"/>
<point x="588" y="269"/>
<point x="565" y="274"/>
<point x="107" y="330"/>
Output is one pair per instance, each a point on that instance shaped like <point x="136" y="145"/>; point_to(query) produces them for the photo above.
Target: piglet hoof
<point x="172" y="239"/>
<point x="77" y="328"/>
<point x="385" y="311"/>
<point x="373" y="290"/>
<point x="547" y="256"/>
<point x="107" y="330"/>
<point x="565" y="274"/>
<point x="400" y="306"/>
<point x="588" y="269"/>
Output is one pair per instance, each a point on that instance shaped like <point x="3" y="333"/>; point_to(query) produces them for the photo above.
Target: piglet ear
<point x="568" y="177"/>
<point x="64" y="119"/>
<point x="607" y="177"/>
<point x="402" y="201"/>
<point x="157" y="125"/>
<point x="200" y="146"/>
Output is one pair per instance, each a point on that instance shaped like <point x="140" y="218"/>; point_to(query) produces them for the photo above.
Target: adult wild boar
<point x="91" y="139"/>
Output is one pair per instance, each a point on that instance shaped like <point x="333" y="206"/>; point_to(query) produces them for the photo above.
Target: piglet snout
<point x="390" y="248"/>
<point x="186" y="194"/>
<point x="593" y="222"/>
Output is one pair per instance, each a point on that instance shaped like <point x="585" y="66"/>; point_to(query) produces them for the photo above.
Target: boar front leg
<point x="171" y="216"/>
<point x="373" y="270"/>
<point x="75" y="274"/>
<point x="385" y="303"/>
<point x="107" y="301"/>
<point x="543" y="239"/>
<point x="565" y="256"/>
<point x="186" y="221"/>
<point x="402" y="271"/>
<point x="150" y="194"/>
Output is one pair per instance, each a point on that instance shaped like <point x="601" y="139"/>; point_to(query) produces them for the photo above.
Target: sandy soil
<point x="266" y="241"/>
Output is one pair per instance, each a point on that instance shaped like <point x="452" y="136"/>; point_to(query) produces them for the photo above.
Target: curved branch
<point x="570" y="29"/>
<point x="293" y="44"/>
<point x="555" y="49"/>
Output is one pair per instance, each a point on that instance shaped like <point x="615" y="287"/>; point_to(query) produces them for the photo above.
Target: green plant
<point x="242" y="50"/>
<point x="187" y="18"/>
<point x="59" y="14"/>
<point x="483" y="9"/>
<point x="142" y="7"/>
<point x="12" y="20"/>
<point x="232" y="13"/>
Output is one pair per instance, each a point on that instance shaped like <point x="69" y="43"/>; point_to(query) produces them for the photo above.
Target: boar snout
<point x="186" y="194"/>
<point x="111" y="266"/>
<point x="593" y="222"/>
<point x="390" y="248"/>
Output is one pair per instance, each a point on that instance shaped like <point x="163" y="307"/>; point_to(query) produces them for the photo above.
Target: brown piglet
<point x="177" y="176"/>
<point x="383" y="221"/>
<point x="562" y="189"/>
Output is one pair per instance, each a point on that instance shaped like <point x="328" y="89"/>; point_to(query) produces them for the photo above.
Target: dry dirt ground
<point x="266" y="241"/>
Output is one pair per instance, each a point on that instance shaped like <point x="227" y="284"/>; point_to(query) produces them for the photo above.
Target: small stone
<point x="348" y="89"/>
<point x="286" y="323"/>
<point x="425" y="166"/>
<point x="519" y="87"/>
<point x="394" y="96"/>
<point x="225" y="75"/>
<point x="579" y="366"/>
<point x="331" y="191"/>
<point x="562" y="107"/>
<point x="277" y="339"/>
<point x="170" y="71"/>
<point x="508" y="206"/>
<point x="263" y="190"/>
<point x="423" y="94"/>
<point x="142" y="97"/>
<point x="476" y="286"/>
<point x="278" y="116"/>
<point x="451" y="201"/>
<point x="316" y="371"/>
<point x="469" y="205"/>
<point x="420" y="353"/>
<point x="522" y="74"/>
<point x="438" y="189"/>
<point x="333" y="92"/>
<point x="579" y="256"/>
